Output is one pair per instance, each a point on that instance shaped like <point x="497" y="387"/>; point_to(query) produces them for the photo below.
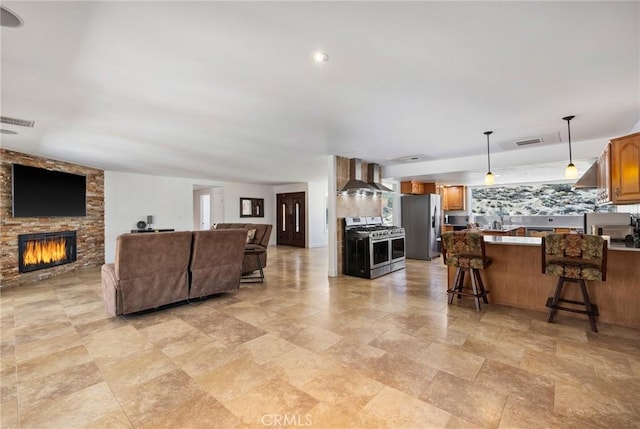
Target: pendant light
<point x="571" y="172"/>
<point x="488" y="179"/>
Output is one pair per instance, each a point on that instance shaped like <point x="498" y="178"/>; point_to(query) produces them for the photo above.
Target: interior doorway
<point x="205" y="212"/>
<point x="291" y="219"/>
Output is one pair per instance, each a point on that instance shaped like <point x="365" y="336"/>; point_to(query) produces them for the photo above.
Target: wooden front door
<point x="292" y="219"/>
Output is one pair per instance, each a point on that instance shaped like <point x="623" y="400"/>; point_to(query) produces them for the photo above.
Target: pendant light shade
<point x="489" y="179"/>
<point x="571" y="172"/>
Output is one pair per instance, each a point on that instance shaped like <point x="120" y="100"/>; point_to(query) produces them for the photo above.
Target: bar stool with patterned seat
<point x="466" y="251"/>
<point x="574" y="258"/>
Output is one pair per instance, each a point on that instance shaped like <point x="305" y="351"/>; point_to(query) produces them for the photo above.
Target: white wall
<point x="129" y="198"/>
<point x="232" y="194"/>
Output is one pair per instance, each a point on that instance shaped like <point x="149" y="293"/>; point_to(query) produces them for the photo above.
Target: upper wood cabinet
<point x="417" y="188"/>
<point x="625" y="169"/>
<point x="454" y="198"/>
<point x="603" y="177"/>
<point x="618" y="178"/>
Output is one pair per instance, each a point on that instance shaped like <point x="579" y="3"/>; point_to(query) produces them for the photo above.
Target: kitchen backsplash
<point x="546" y="200"/>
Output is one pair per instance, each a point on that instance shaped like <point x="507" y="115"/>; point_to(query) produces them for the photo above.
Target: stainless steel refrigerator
<point x="421" y="222"/>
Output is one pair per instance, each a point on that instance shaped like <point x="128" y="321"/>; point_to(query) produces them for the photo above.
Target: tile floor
<point x="305" y="350"/>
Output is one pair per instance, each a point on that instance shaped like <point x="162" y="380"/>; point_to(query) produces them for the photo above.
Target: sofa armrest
<point x="109" y="288"/>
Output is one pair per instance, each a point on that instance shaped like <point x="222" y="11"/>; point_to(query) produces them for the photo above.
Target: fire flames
<point x="45" y="251"/>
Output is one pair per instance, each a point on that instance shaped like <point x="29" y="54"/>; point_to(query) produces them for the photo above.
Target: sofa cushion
<point x="251" y="233"/>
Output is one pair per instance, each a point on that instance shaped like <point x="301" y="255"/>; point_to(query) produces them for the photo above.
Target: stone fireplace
<point x="89" y="229"/>
<point x="45" y="250"/>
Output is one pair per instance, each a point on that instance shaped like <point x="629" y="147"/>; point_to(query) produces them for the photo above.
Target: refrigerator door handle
<point x="433" y="218"/>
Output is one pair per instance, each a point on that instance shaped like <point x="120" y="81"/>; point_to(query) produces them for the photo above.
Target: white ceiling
<point x="227" y="90"/>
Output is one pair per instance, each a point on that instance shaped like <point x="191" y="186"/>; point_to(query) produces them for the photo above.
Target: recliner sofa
<point x="259" y="241"/>
<point x="152" y="270"/>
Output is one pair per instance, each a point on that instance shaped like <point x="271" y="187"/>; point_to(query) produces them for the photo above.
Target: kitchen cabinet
<point x="603" y="177"/>
<point x="417" y="188"/>
<point x="447" y="228"/>
<point x="625" y="169"/>
<point x="454" y="198"/>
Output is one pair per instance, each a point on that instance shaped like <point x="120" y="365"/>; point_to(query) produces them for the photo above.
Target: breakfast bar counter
<point x="515" y="278"/>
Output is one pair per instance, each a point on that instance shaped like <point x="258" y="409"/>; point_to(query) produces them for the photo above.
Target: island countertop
<point x="515" y="278"/>
<point x="537" y="241"/>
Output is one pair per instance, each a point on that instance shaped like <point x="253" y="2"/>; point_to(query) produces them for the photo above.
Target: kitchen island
<point x="515" y="278"/>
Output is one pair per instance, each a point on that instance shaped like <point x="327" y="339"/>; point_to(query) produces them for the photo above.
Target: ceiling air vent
<point x="15" y="121"/>
<point x="527" y="142"/>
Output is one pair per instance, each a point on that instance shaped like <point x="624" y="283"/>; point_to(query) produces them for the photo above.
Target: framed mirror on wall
<point x="251" y="207"/>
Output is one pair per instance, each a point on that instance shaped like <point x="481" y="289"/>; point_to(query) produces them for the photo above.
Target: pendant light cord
<point x="568" y="119"/>
<point x="488" y="133"/>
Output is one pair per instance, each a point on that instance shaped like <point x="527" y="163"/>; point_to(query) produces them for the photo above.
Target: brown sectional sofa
<point x="151" y="270"/>
<point x="260" y="241"/>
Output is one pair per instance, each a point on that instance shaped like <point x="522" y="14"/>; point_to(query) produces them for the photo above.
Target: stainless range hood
<point x="373" y="178"/>
<point x="355" y="184"/>
<point x="589" y="179"/>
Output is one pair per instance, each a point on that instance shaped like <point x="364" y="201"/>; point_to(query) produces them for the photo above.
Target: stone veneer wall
<point x="90" y="228"/>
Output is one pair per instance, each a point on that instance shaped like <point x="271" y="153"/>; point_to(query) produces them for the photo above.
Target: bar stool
<point x="465" y="251"/>
<point x="574" y="258"/>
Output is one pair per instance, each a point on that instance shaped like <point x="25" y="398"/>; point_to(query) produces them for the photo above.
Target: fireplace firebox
<point x="44" y="250"/>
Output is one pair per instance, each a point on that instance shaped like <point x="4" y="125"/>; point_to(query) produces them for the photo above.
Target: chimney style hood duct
<point x="589" y="179"/>
<point x="373" y="178"/>
<point x="355" y="173"/>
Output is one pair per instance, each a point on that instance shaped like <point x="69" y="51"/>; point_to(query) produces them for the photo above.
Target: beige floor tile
<point x="499" y="351"/>
<point x="94" y="406"/>
<point x="607" y="363"/>
<point x="137" y="369"/>
<point x="299" y="366"/>
<point x="397" y="342"/>
<point x="47" y="346"/>
<point x="362" y="331"/>
<point x="206" y="358"/>
<point x="111" y="347"/>
<point x="587" y="402"/>
<point x="344" y="352"/>
<point x="144" y="401"/>
<point x="403" y="411"/>
<point x="518" y="383"/>
<point x="200" y="412"/>
<point x="470" y="401"/>
<point x="400" y="372"/>
<point x="34" y="391"/>
<point x="524" y="414"/>
<point x="233" y="379"/>
<point x="315" y="339"/>
<point x="529" y="340"/>
<point x="557" y="367"/>
<point x="345" y="390"/>
<point x="452" y="359"/>
<point x="266" y="348"/>
<point x="260" y="405"/>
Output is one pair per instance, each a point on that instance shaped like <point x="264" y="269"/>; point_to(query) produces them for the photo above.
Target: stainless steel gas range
<point x="371" y="248"/>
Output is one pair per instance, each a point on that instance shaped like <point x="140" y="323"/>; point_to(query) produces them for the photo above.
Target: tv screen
<point x="41" y="193"/>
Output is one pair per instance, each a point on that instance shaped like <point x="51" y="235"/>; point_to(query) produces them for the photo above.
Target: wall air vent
<point x="15" y="121"/>
<point x="537" y="140"/>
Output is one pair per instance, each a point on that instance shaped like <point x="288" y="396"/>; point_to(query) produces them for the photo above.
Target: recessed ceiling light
<point x="320" y="57"/>
<point x="9" y="18"/>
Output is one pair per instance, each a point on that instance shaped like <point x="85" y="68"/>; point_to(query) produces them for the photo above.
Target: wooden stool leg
<point x="556" y="298"/>
<point x="588" y="305"/>
<point x="455" y="285"/>
<point x="483" y="292"/>
<point x="474" y="287"/>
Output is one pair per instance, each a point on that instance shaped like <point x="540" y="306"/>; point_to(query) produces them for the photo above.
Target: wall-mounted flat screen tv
<point x="42" y="193"/>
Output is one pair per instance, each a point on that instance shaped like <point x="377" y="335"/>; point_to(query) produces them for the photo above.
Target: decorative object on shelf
<point x="488" y="179"/>
<point x="571" y="172"/>
<point x="141" y="224"/>
<point x="251" y="207"/>
<point x="149" y="221"/>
